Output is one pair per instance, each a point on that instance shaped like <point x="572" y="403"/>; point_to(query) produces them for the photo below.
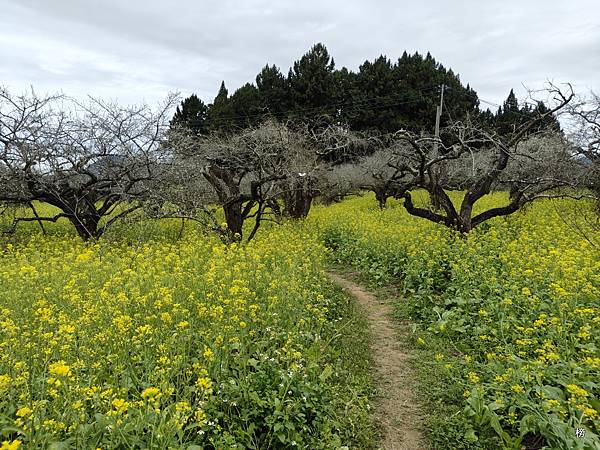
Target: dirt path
<point x="396" y="409"/>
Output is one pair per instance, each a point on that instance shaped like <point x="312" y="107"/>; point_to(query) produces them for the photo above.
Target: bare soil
<point x="396" y="408"/>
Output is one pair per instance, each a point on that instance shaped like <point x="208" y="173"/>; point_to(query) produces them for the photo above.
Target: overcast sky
<point x="139" y="50"/>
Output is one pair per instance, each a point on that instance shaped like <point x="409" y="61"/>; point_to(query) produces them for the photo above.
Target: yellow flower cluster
<point x="12" y="445"/>
<point x="148" y="340"/>
<point x="520" y="294"/>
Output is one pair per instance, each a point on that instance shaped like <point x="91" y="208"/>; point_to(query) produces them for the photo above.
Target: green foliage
<point x="245" y="106"/>
<point x="510" y="116"/>
<point x="419" y="80"/>
<point x="220" y="114"/>
<point x="312" y="84"/>
<point x="381" y="95"/>
<point x="191" y="114"/>
<point x="273" y="89"/>
<point x="374" y="95"/>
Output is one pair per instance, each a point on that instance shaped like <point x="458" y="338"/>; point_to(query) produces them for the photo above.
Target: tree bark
<point x="381" y="196"/>
<point x="234" y="219"/>
<point x="86" y="226"/>
<point x="297" y="201"/>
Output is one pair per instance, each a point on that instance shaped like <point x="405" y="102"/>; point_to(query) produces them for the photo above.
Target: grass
<point x="356" y="378"/>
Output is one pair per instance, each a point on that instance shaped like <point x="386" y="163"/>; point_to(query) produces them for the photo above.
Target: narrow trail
<point x="396" y="409"/>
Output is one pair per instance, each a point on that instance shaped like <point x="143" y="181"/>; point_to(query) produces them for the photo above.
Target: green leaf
<point x="528" y="424"/>
<point x="553" y="392"/>
<point x="327" y="372"/>
<point x="59" y="446"/>
<point x="470" y="435"/>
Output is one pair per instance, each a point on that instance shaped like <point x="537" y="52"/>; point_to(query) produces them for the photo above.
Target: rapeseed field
<point x="511" y="314"/>
<point x="144" y="339"/>
<point x="173" y="344"/>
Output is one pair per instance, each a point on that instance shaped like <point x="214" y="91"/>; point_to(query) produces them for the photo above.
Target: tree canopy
<point x="192" y="114"/>
<point x="382" y="96"/>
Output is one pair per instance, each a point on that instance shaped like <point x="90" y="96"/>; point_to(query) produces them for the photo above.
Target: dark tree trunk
<point x="234" y="219"/>
<point x="435" y="204"/>
<point x="435" y="201"/>
<point x="297" y="202"/>
<point x="595" y="186"/>
<point x="86" y="225"/>
<point x="513" y="191"/>
<point x="80" y="210"/>
<point x="381" y="195"/>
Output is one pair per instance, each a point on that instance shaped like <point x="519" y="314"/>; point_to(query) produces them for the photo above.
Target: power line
<point x="518" y="113"/>
<point x="350" y="108"/>
<point x="320" y="110"/>
<point x="488" y="103"/>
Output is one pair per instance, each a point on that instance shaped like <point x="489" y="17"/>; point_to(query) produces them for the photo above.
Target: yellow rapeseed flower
<point x="473" y="377"/>
<point x="150" y="392"/>
<point x="577" y="391"/>
<point x="24" y="412"/>
<point x="12" y="445"/>
<point x="59" y="368"/>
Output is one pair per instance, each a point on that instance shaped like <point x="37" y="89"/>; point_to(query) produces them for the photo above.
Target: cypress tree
<point x="220" y="115"/>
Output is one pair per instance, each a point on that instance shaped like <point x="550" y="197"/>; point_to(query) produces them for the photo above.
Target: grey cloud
<point x="134" y="50"/>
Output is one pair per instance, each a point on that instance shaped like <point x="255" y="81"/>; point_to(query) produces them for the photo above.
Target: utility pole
<point x="438" y="115"/>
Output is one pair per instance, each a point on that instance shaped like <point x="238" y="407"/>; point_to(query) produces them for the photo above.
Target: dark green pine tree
<point x="486" y="119"/>
<point x="346" y="93"/>
<point x="380" y="96"/>
<point x="245" y="106"/>
<point x="460" y="101"/>
<point x="273" y="91"/>
<point x="313" y="87"/>
<point x="508" y="117"/>
<point x="220" y="115"/>
<point x="418" y="84"/>
<point x="374" y="97"/>
<point x="192" y="114"/>
<point x="511" y="119"/>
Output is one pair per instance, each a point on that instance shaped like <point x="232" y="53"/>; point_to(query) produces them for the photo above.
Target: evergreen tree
<point x="220" y="114"/>
<point x="374" y="97"/>
<point x="346" y="94"/>
<point x="192" y="113"/>
<point x="548" y="123"/>
<point x="419" y="80"/>
<point x="511" y="116"/>
<point x="273" y="91"/>
<point x="245" y="106"/>
<point x="379" y="96"/>
<point x="486" y="119"/>
<point x="312" y="84"/>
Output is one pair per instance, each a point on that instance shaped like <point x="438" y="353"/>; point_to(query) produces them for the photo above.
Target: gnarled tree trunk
<point x="297" y="199"/>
